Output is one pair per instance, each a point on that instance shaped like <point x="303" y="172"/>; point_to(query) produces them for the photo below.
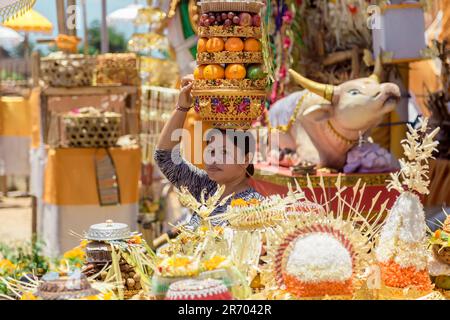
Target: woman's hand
<point x="185" y="98"/>
<point x="178" y="117"/>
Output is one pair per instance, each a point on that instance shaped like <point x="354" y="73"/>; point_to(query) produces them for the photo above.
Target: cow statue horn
<point x="376" y="75"/>
<point x="324" y="90"/>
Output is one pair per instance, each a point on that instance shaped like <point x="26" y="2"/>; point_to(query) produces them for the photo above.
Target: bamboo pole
<point x="104" y="30"/>
<point x="61" y="15"/>
<point x="85" y="27"/>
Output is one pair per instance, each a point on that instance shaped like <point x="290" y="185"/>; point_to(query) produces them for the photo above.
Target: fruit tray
<point x="229" y="108"/>
<point x="229" y="57"/>
<point x="230" y="31"/>
<point x="220" y="5"/>
<point x="237" y="84"/>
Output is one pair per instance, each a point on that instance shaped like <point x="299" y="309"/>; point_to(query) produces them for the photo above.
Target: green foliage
<point x="27" y="258"/>
<point x="117" y="41"/>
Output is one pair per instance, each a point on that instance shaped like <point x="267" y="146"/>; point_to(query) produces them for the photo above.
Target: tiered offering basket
<point x="230" y="103"/>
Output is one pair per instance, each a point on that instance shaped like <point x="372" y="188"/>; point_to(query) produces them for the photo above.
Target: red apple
<point x="256" y="20"/>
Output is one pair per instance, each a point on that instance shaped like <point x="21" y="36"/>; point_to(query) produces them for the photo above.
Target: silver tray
<point x="108" y="231"/>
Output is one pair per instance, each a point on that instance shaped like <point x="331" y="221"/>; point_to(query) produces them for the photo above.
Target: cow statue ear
<point x="318" y="112"/>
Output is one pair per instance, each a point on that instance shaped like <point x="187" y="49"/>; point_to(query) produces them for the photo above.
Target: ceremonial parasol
<point x="12" y="8"/>
<point x="127" y="14"/>
<point x="31" y="21"/>
<point x="9" y="37"/>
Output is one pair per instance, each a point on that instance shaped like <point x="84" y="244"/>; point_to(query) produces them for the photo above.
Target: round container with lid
<point x="108" y="231"/>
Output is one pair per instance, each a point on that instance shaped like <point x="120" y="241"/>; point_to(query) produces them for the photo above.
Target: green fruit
<point x="443" y="282"/>
<point x="255" y="72"/>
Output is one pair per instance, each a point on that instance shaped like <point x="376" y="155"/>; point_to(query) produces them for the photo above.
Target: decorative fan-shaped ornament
<point x="14" y="8"/>
<point x="319" y="257"/>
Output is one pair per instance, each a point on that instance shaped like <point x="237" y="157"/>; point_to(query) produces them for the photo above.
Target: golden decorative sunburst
<point x="321" y="254"/>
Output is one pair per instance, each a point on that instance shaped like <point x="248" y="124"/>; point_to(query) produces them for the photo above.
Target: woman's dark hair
<point x="248" y="146"/>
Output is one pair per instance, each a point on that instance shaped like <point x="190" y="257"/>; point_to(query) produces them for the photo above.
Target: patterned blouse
<point x="184" y="174"/>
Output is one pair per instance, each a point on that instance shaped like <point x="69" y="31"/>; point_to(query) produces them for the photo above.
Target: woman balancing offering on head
<point x="228" y="159"/>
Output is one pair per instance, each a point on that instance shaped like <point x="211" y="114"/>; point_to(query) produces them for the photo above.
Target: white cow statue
<point x="323" y="122"/>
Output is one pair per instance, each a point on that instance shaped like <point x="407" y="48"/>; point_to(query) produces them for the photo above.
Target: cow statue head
<point x="356" y="104"/>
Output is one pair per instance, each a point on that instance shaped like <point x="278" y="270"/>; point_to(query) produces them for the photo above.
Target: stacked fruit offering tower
<point x="230" y="80"/>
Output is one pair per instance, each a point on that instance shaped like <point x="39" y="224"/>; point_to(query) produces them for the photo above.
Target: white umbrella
<point x="127" y="14"/>
<point x="9" y="37"/>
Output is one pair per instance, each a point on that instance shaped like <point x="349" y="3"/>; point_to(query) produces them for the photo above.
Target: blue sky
<point x="48" y="9"/>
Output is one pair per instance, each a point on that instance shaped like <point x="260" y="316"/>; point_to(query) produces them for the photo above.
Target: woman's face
<point x="225" y="162"/>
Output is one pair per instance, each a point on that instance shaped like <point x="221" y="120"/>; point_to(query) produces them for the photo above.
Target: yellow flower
<point x="83" y="244"/>
<point x="92" y="298"/>
<point x="28" y="296"/>
<point x="135" y="239"/>
<point x="75" y="253"/>
<point x="239" y="203"/>
<point x="7" y="266"/>
<point x="253" y="201"/>
<point x="179" y="262"/>
<point x="213" y="263"/>
<point x="107" y="296"/>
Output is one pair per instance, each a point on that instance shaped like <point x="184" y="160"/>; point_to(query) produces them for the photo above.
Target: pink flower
<point x="287" y="42"/>
<point x="288" y="17"/>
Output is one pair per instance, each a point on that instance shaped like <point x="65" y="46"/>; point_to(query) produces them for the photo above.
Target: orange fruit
<point x="201" y="44"/>
<point x="213" y="72"/>
<point x="251" y="44"/>
<point x="198" y="72"/>
<point x="234" y="44"/>
<point x="214" y="44"/>
<point x="235" y="71"/>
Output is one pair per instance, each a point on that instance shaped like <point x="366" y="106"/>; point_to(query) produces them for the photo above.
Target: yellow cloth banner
<point x="15" y="119"/>
<point x="70" y="175"/>
<point x="35" y="116"/>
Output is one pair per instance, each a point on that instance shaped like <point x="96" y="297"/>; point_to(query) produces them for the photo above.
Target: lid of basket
<point x="108" y="230"/>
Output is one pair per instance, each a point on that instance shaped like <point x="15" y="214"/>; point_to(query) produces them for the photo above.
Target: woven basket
<point x="240" y="6"/>
<point x="117" y="68"/>
<point x="442" y="254"/>
<point x="92" y="131"/>
<point x="232" y="31"/>
<point x="229" y="108"/>
<point x="74" y="70"/>
<point x="229" y="57"/>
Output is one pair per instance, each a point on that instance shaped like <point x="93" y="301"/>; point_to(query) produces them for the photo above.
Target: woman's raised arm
<point x="178" y="117"/>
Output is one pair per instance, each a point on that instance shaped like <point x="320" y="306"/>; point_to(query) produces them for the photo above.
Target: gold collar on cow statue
<point x="340" y="136"/>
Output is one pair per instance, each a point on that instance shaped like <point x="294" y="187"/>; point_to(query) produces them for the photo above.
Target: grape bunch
<point x="228" y="19"/>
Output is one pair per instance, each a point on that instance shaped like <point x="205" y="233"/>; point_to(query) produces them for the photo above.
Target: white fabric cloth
<point x="38" y="158"/>
<point x="14" y="156"/>
<point x="57" y="222"/>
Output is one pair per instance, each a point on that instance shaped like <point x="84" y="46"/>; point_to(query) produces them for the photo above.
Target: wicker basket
<point x="240" y="6"/>
<point x="84" y="131"/>
<point x="117" y="68"/>
<point x="74" y="70"/>
<point x="229" y="108"/>
<point x="232" y="31"/>
<point x="229" y="57"/>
